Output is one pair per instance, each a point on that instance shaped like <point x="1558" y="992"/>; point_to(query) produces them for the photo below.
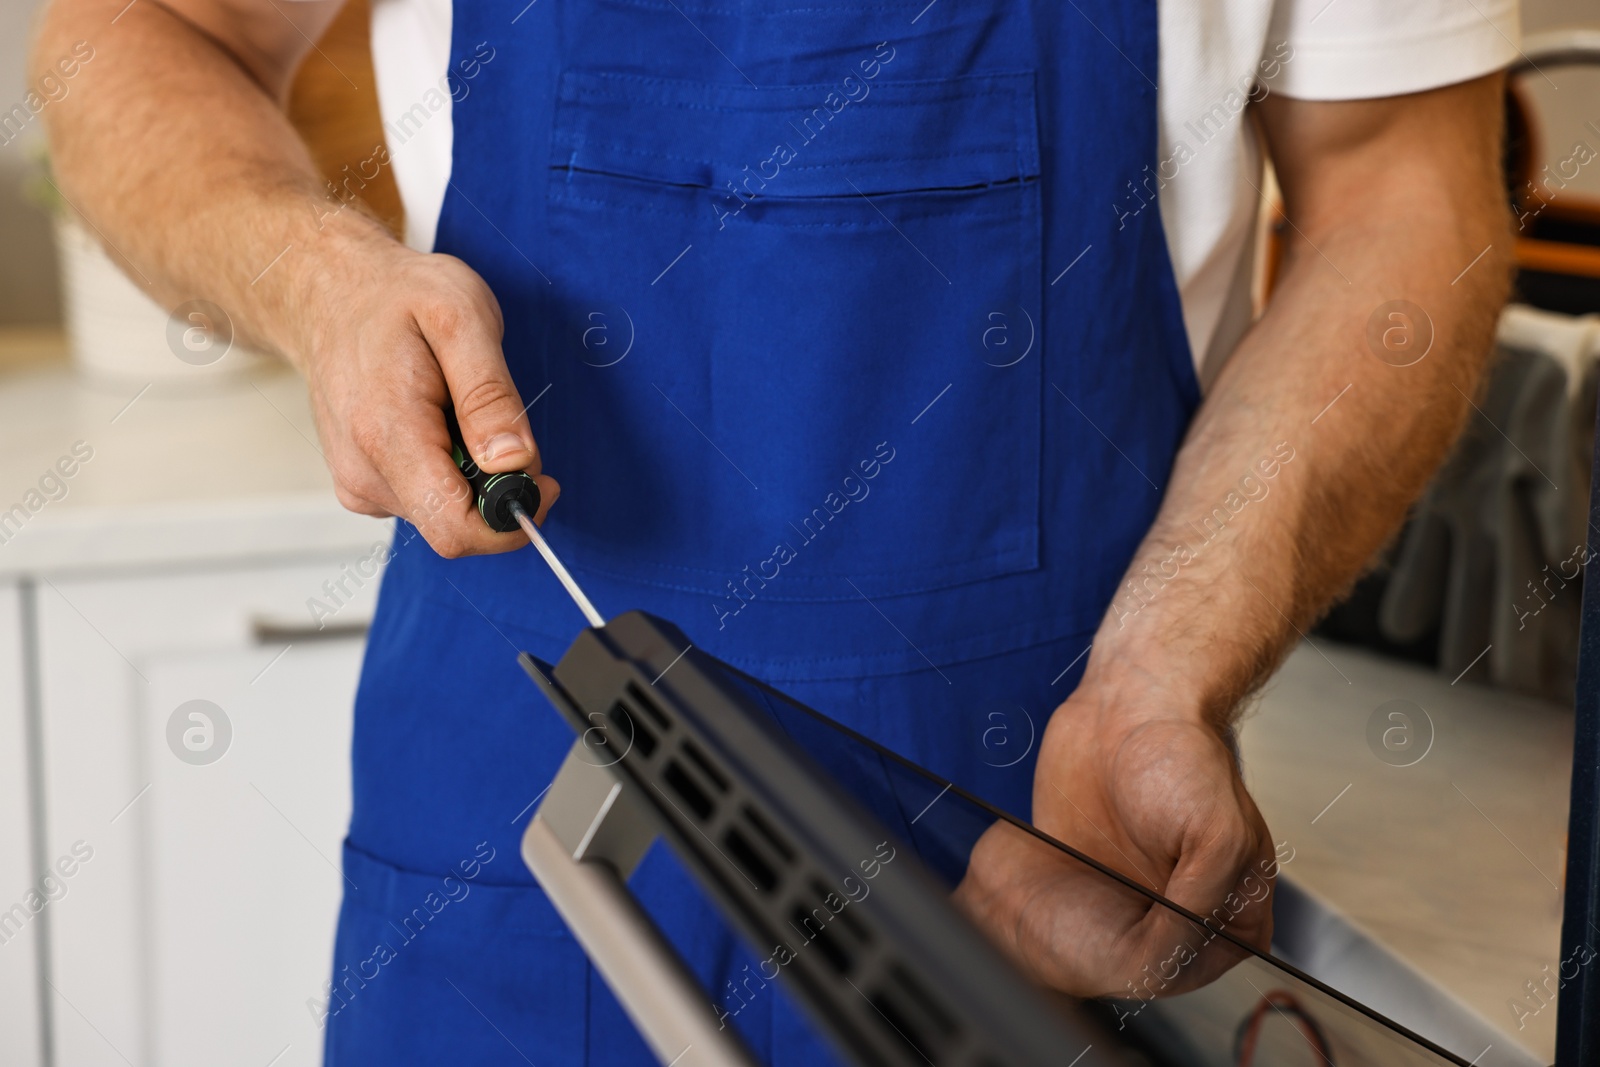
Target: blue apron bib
<point x="850" y="333"/>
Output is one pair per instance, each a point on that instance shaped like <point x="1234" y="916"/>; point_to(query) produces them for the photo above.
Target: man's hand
<point x="1301" y="462"/>
<point x="386" y="337"/>
<point x="1156" y="795"/>
<point x="386" y="351"/>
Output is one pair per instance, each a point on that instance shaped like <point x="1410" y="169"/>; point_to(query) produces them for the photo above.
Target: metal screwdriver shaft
<point x="507" y="501"/>
<point x="525" y="521"/>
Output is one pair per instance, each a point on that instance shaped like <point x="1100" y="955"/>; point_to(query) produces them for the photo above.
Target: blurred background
<point x="183" y="606"/>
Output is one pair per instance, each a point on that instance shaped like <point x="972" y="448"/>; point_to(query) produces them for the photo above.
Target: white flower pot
<point x="122" y="338"/>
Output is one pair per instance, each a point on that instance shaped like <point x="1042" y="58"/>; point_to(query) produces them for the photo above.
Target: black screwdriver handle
<point x="495" y="493"/>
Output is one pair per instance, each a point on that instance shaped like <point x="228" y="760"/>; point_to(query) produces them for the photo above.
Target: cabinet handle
<point x="268" y="631"/>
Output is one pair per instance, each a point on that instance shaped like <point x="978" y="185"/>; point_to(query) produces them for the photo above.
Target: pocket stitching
<point x="588" y="83"/>
<point x="935" y="573"/>
<point x="646" y="5"/>
<point x="611" y="205"/>
<point x="580" y="87"/>
<point x="585" y="96"/>
<point x="975" y="153"/>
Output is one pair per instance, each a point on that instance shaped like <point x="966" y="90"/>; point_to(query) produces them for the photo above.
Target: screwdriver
<point x="509" y="500"/>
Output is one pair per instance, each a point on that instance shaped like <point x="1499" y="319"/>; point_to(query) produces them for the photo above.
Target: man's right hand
<point x="391" y="341"/>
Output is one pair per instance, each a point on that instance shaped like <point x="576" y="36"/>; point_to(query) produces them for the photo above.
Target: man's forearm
<point x="1310" y="447"/>
<point x="175" y="150"/>
<point x="174" y="147"/>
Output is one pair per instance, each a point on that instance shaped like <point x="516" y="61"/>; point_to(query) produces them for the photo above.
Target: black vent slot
<point x="768" y="834"/>
<point x="698" y="758"/>
<point x="630" y="730"/>
<point x="688" y="790"/>
<point x="902" y="1028"/>
<point x="649" y="707"/>
<point x="916" y="1018"/>
<point x="849" y="927"/>
<point x="750" y="860"/>
<point x="817" y="927"/>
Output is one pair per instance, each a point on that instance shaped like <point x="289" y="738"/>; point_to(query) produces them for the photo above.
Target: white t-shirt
<point x="1212" y="53"/>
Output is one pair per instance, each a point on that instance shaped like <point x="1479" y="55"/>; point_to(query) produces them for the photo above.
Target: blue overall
<point x="850" y="333"/>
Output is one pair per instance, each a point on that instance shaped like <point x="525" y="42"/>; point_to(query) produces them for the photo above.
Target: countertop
<point x="225" y="470"/>
<point x="1454" y="863"/>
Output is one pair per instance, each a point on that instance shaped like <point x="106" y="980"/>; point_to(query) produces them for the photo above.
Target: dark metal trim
<point x="1578" y="1008"/>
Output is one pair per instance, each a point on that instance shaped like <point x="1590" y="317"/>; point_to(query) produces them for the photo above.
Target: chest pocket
<point x="795" y="334"/>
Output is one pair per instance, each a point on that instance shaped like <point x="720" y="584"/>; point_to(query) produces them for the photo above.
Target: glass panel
<point x="1176" y="987"/>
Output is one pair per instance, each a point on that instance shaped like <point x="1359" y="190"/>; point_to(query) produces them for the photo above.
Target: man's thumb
<point x="494" y="426"/>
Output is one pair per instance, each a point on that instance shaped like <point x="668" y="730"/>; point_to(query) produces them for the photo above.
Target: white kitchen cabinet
<point x="244" y="855"/>
<point x="203" y="918"/>
<point x="174" y="565"/>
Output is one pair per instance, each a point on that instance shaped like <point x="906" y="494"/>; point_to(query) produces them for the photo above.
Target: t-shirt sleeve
<point x="1358" y="49"/>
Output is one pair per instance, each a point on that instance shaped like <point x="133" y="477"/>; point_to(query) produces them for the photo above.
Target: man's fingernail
<point x="501" y="445"/>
